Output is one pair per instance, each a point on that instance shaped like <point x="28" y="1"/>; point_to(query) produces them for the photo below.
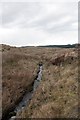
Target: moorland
<point x="57" y="94"/>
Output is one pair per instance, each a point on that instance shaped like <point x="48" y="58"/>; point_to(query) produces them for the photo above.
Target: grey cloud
<point x="55" y="18"/>
<point x="20" y="15"/>
<point x="0" y="14"/>
<point x="38" y="23"/>
<point x="43" y="21"/>
<point x="39" y="1"/>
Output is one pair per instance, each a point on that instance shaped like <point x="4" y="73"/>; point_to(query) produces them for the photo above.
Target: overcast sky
<point x="38" y="23"/>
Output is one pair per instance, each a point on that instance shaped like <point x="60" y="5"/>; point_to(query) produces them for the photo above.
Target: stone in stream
<point x="13" y="117"/>
<point x="12" y="114"/>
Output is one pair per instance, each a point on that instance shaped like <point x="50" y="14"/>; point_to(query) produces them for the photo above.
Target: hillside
<point x="57" y="94"/>
<point x="62" y="46"/>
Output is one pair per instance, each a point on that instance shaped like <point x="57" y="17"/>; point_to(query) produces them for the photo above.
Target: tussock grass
<point x="18" y="74"/>
<point x="57" y="94"/>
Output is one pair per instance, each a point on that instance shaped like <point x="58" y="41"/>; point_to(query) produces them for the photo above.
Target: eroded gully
<point x="27" y="97"/>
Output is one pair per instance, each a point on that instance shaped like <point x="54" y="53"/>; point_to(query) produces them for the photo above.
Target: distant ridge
<point x="62" y="46"/>
<point x="52" y="46"/>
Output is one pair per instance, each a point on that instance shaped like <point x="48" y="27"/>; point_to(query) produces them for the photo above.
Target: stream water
<point x="28" y="96"/>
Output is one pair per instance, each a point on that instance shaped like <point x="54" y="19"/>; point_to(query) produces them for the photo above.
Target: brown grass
<point x="18" y="74"/>
<point x="57" y="95"/>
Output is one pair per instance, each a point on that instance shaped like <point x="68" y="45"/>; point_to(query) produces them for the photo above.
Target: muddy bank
<point x="24" y="99"/>
<point x="10" y="109"/>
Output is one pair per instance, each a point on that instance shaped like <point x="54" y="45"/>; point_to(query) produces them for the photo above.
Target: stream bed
<point x="28" y="96"/>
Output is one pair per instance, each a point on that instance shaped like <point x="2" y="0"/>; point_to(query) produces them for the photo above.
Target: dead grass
<point x="18" y="74"/>
<point x="57" y="95"/>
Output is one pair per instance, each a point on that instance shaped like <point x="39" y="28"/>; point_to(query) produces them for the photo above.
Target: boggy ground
<point x="18" y="74"/>
<point x="57" y="94"/>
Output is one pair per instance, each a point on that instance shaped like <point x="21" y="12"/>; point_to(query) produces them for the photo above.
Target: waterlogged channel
<point x="28" y="96"/>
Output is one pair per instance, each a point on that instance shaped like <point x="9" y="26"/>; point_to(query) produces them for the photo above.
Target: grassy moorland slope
<point x="57" y="95"/>
<point x="18" y="74"/>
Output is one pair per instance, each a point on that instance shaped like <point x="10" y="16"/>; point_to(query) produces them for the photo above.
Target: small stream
<point x="28" y="96"/>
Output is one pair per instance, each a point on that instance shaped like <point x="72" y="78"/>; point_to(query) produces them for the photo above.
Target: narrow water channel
<point x="28" y="96"/>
